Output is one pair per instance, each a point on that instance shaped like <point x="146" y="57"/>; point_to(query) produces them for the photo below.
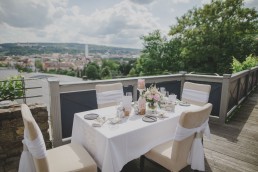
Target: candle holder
<point x="141" y="103"/>
<point x="140" y="91"/>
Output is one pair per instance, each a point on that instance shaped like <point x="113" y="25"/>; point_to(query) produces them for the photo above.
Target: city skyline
<point x="112" y="23"/>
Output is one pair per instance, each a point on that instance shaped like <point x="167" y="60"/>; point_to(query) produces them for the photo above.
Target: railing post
<point x="182" y="82"/>
<point x="23" y="90"/>
<point x="135" y="90"/>
<point x="55" y="111"/>
<point x="256" y="81"/>
<point x="224" y="98"/>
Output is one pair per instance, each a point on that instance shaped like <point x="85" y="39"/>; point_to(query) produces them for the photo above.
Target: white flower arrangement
<point x="152" y="95"/>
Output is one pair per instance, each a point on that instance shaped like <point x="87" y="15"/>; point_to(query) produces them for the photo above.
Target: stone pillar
<point x="11" y="133"/>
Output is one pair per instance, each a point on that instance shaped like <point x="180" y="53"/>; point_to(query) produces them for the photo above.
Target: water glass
<point x="163" y="91"/>
<point x="127" y="104"/>
<point x="129" y="94"/>
<point x="172" y="97"/>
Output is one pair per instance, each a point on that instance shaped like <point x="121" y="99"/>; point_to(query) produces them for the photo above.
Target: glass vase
<point x="152" y="106"/>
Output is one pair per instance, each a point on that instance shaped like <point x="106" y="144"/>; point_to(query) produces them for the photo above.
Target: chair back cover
<point x="197" y="94"/>
<point x="109" y="94"/>
<point x="190" y="122"/>
<point x="34" y="157"/>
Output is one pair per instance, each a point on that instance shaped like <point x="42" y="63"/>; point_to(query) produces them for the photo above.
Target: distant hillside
<point x="49" y="48"/>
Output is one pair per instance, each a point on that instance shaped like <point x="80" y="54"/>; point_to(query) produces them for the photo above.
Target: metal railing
<point x="23" y="89"/>
<point x="227" y="92"/>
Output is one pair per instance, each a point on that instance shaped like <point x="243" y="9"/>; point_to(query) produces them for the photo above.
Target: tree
<point x="111" y="65"/>
<point x="92" y="71"/>
<point x="159" y="55"/>
<point x="105" y="73"/>
<point x="126" y="66"/>
<point x="211" y="35"/>
<point x="150" y="62"/>
<point x="38" y="64"/>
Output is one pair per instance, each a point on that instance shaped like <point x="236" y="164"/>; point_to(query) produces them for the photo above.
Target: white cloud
<point x="143" y="1"/>
<point x="120" y="25"/>
<point x="181" y="1"/>
<point x="55" y="21"/>
<point x="25" y="14"/>
<point x="248" y="1"/>
<point x="205" y="1"/>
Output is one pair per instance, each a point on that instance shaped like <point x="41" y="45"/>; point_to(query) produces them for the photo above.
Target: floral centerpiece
<point x="152" y="96"/>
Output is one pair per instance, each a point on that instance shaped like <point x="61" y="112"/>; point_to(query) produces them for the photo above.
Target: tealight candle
<point x="141" y="84"/>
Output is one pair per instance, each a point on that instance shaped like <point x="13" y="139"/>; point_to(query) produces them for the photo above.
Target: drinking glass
<point x="129" y="94"/>
<point x="163" y="91"/>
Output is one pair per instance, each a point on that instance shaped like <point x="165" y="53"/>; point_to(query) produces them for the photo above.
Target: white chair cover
<point x="110" y="96"/>
<point x="196" y="155"/>
<point x="36" y="148"/>
<point x="199" y="96"/>
<point x="26" y="161"/>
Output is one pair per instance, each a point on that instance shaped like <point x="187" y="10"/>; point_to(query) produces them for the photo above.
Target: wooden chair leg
<point x="142" y="158"/>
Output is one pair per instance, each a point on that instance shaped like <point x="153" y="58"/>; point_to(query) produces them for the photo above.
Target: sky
<point x="104" y="22"/>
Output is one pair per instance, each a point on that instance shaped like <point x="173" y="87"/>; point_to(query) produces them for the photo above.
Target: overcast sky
<point x="104" y="22"/>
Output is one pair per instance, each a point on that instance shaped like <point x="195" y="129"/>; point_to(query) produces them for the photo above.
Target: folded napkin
<point x="99" y="122"/>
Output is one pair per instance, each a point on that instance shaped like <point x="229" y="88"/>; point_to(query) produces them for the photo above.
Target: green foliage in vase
<point x="11" y="89"/>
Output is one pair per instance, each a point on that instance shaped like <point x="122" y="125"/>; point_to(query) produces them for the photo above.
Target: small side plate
<point x="184" y="104"/>
<point x="91" y="116"/>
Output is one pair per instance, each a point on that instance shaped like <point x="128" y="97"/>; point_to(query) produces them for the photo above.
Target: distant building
<point x="50" y="65"/>
<point x="86" y="51"/>
<point x="54" y="65"/>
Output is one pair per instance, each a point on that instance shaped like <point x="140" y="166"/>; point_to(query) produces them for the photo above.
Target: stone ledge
<point x="11" y="133"/>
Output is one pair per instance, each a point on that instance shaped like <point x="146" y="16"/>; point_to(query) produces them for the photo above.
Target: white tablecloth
<point x="112" y="146"/>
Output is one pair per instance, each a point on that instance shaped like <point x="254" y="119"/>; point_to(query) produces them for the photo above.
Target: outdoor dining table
<point x="114" y="145"/>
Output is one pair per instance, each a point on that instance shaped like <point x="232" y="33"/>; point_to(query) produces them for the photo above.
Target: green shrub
<point x="11" y="89"/>
<point x="250" y="61"/>
<point x="236" y="65"/>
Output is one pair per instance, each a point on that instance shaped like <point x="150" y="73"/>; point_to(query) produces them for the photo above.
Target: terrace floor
<point x="233" y="147"/>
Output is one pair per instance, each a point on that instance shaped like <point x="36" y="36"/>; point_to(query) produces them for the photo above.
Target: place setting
<point x="155" y="103"/>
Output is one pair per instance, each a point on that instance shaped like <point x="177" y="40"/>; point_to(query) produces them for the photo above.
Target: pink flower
<point x="156" y="97"/>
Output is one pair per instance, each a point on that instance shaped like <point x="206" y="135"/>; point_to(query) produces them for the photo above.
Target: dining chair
<point x="109" y="94"/>
<point x="174" y="155"/>
<point x="197" y="94"/>
<point x="35" y="157"/>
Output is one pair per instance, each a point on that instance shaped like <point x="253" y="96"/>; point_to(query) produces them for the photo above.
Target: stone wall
<point x="11" y="133"/>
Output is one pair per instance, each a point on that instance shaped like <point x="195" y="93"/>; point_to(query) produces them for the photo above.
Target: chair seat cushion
<point x="161" y="154"/>
<point x="70" y="157"/>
